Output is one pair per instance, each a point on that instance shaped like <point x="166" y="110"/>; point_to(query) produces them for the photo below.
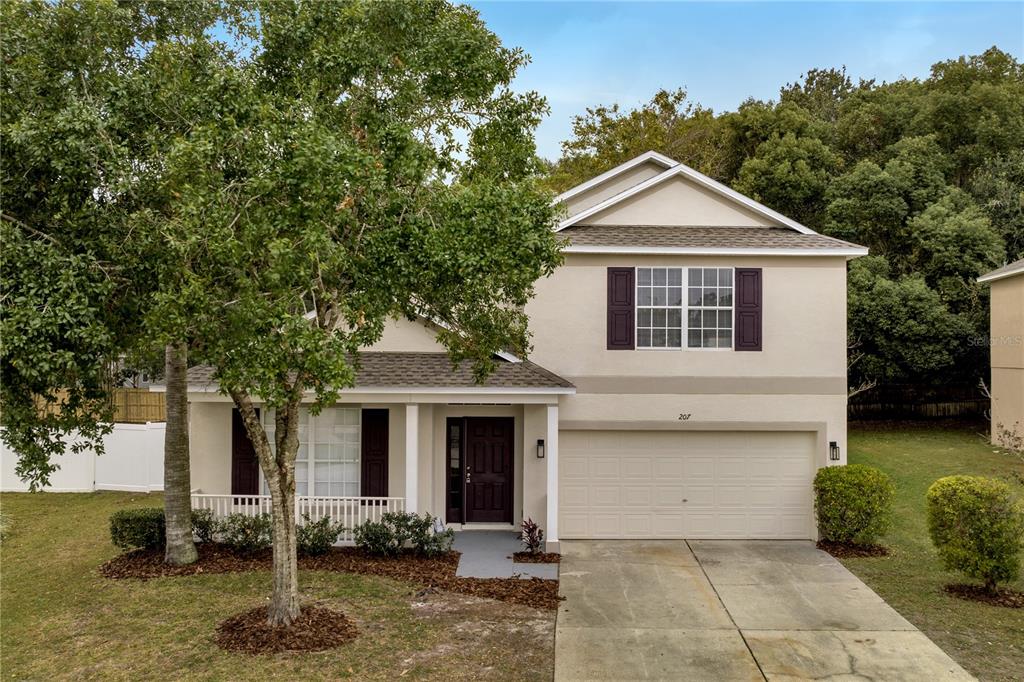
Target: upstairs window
<point x="709" y="308"/>
<point x="659" y="307"/>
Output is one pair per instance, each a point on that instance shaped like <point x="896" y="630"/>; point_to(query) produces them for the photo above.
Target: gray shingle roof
<point x="423" y="370"/>
<point x="1014" y="268"/>
<point x="700" y="237"/>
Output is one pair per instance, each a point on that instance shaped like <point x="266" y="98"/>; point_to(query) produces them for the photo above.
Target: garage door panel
<point x="622" y="484"/>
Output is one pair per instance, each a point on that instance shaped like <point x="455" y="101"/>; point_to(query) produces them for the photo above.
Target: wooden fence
<point x="899" y="401"/>
<point x="138" y="406"/>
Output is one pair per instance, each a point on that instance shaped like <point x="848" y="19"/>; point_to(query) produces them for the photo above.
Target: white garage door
<point x="686" y="484"/>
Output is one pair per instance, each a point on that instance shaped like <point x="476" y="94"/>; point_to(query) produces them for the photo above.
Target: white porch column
<point x="552" y="478"/>
<point x="412" y="457"/>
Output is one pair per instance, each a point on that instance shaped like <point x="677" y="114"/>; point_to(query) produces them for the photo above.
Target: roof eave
<point x="1001" y="273"/>
<point x="654" y="156"/>
<point x="849" y="252"/>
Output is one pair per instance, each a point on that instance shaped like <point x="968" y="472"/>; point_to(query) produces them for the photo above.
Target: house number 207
<point x="684" y="416"/>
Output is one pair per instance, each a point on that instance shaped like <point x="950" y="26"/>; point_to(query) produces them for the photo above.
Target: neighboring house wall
<point x="660" y="205"/>
<point x="1007" y="331"/>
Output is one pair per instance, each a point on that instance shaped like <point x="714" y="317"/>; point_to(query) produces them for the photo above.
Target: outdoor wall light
<point x="540" y="448"/>
<point x="833" y="451"/>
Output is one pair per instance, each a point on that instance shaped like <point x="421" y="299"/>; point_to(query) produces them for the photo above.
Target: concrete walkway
<point x="488" y="554"/>
<point x="729" y="610"/>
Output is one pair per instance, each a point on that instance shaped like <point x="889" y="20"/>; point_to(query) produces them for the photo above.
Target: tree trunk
<point x="279" y="472"/>
<point x="284" y="602"/>
<point x="177" y="478"/>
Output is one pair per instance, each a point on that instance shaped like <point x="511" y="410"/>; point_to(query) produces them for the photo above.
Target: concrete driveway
<point x="729" y="610"/>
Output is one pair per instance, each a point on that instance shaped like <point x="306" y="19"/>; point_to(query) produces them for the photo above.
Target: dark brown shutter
<point x="374" y="453"/>
<point x="621" y="309"/>
<point x="245" y="468"/>
<point x="748" y="309"/>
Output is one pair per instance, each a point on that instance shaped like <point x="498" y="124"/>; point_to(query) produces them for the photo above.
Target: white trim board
<point x="654" y="156"/>
<point x="696" y="177"/>
<point x="1015" y="268"/>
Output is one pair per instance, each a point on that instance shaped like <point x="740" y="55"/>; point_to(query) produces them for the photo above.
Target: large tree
<point x="369" y="161"/>
<point x="83" y="150"/>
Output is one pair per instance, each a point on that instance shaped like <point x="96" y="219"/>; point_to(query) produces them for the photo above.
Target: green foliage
<point x="246" y="534"/>
<point x="204" y="525"/>
<point x="910" y="169"/>
<point x="137" y="528"/>
<point x="901" y="328"/>
<point x="315" y="538"/>
<point x="977" y="527"/>
<point x="396" y="530"/>
<point x="853" y="503"/>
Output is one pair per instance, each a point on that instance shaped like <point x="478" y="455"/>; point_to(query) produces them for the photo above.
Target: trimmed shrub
<point x="390" y="535"/>
<point x="977" y="527"/>
<point x="247" y="534"/>
<point x="137" y="528"/>
<point x="853" y="503"/>
<point x="204" y="526"/>
<point x="315" y="538"/>
<point x="376" y="537"/>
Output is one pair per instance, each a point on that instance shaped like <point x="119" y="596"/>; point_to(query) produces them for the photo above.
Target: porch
<point x="477" y="458"/>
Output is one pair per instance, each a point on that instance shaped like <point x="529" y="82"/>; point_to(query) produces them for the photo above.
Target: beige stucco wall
<point x="1007" y="339"/>
<point x="401" y="335"/>
<point x="610" y="188"/>
<point x="210" y="447"/>
<point x="677" y="201"/>
<point x="804" y="322"/>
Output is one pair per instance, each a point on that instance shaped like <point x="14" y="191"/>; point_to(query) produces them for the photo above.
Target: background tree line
<point x="929" y="174"/>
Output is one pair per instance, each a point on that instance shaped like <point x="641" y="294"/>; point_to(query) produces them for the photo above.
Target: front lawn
<point x="61" y="619"/>
<point x="987" y="640"/>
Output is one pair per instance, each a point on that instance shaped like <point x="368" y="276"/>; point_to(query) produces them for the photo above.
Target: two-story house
<point x="688" y="378"/>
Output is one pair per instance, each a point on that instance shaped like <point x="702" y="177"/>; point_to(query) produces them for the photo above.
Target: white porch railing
<point x="348" y="511"/>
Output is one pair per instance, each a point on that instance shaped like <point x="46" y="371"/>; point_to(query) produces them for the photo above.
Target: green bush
<point x="137" y="528"/>
<point x="853" y="503"/>
<point x="204" y="526"/>
<point x="315" y="538"/>
<point x="390" y="535"/>
<point x="246" y="534"/>
<point x="977" y="527"/>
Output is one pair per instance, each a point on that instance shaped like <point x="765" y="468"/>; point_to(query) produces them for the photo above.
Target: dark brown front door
<point x="488" y="464"/>
<point x="375" y="453"/>
<point x="245" y="468"/>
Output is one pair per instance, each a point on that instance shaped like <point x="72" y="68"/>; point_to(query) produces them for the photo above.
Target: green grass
<point x="987" y="640"/>
<point x="61" y="620"/>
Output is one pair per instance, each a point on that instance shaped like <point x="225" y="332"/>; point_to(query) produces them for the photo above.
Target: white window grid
<point x="684" y="308"/>
<point x="329" y="451"/>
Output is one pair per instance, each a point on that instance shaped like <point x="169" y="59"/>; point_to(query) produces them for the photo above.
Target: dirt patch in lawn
<point x="422" y="572"/>
<point x="1005" y="597"/>
<point x="846" y="550"/>
<point x="317" y="628"/>
<point x="536" y="557"/>
<point x="488" y="641"/>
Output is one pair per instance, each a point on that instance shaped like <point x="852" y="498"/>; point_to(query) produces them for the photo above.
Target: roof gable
<point x="678" y="202"/>
<point x="677" y="171"/>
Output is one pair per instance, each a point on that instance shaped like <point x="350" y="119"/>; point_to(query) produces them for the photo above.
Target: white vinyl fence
<point x="133" y="461"/>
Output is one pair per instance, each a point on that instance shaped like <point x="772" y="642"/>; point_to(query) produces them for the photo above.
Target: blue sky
<point x="587" y="53"/>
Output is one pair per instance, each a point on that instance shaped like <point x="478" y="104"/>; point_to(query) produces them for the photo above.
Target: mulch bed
<point x="536" y="557"/>
<point x="1006" y="597"/>
<point x="317" y="628"/>
<point x="846" y="550"/>
<point x="419" y="571"/>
